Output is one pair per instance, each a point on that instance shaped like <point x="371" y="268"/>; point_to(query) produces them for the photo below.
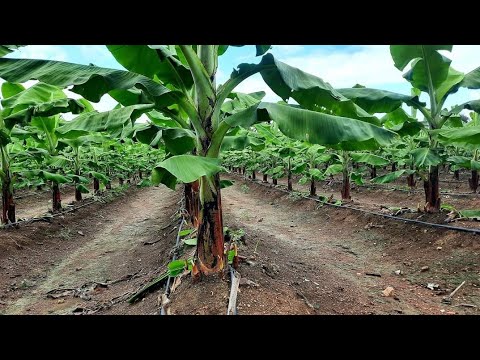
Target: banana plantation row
<point x="194" y="124"/>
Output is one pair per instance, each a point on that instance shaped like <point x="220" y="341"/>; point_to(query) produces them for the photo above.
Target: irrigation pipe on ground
<point x="447" y="227"/>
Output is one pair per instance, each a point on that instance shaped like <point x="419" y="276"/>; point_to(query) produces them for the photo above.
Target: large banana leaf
<point x="186" y="168"/>
<point x="153" y="60"/>
<point x="369" y="159"/>
<point x="38" y="93"/>
<point x="57" y="178"/>
<point x="240" y="142"/>
<point x="92" y="82"/>
<point x="319" y="128"/>
<point x="464" y="162"/>
<point x="102" y="177"/>
<point x="241" y="101"/>
<point x="424" y="157"/>
<point x="178" y="141"/>
<point x="109" y="121"/>
<point x="10" y="89"/>
<point x="428" y="65"/>
<point x="473" y="105"/>
<point x="379" y="101"/>
<point x="472" y="79"/>
<point x="149" y="134"/>
<point x="333" y="169"/>
<point x="400" y="122"/>
<point x="465" y="135"/>
<point x="44" y="110"/>
<point x="391" y="176"/>
<point x="266" y="131"/>
<point x="308" y="90"/>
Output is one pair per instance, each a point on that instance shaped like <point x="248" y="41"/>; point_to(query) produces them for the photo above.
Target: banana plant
<point x="311" y="159"/>
<point x="467" y="138"/>
<point x="76" y="145"/>
<point x="21" y="106"/>
<point x="179" y="82"/>
<point x="430" y="72"/>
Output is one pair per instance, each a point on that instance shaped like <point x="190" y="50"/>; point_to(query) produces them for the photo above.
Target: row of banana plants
<point x="282" y="157"/>
<point x="195" y="119"/>
<point x="37" y="146"/>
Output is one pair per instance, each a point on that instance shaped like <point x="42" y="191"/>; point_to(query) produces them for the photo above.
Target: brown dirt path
<point x="320" y="257"/>
<point x="97" y="244"/>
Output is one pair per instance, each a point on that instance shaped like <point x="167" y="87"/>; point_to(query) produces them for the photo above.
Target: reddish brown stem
<point x="345" y="186"/>
<point x="432" y="191"/>
<point x="192" y="201"/>
<point x="96" y="185"/>
<point x="56" y="198"/>
<point x="456" y="174"/>
<point x="210" y="241"/>
<point x="473" y="181"/>
<point x="8" y="204"/>
<point x="313" y="187"/>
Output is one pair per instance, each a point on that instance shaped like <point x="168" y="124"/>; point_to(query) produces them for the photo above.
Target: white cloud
<point x="50" y="52"/>
<point x="370" y="65"/>
<point x="465" y="58"/>
<point x="287" y="49"/>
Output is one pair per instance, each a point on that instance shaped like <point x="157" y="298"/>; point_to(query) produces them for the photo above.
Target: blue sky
<point x="340" y="65"/>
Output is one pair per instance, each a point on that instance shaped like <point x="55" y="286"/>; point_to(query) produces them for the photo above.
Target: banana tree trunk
<point x="253" y="175"/>
<point x="108" y="186"/>
<point x="411" y="181"/>
<point x="96" y="185"/>
<point x="140" y="174"/>
<point x="432" y="191"/>
<point x="120" y="181"/>
<point x="78" y="193"/>
<point x="243" y="170"/>
<point x="394" y="166"/>
<point x="345" y="191"/>
<point x="210" y="241"/>
<point x="8" y="204"/>
<point x="373" y="172"/>
<point x="289" y="176"/>
<point x="56" y="198"/>
<point x="313" y="187"/>
<point x="192" y="202"/>
<point x="274" y="181"/>
<point x="265" y="178"/>
<point x="473" y="181"/>
<point x="346" y="185"/>
<point x="456" y="174"/>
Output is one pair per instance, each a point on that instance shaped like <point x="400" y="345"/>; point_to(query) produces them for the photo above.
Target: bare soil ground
<point x="301" y="259"/>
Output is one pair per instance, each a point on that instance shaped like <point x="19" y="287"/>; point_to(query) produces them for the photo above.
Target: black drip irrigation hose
<point x="174" y="257"/>
<point x="415" y="191"/>
<point x="167" y="288"/>
<point x="447" y="227"/>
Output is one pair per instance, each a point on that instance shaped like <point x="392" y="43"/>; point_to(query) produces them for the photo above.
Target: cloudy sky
<point x="340" y="65"/>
